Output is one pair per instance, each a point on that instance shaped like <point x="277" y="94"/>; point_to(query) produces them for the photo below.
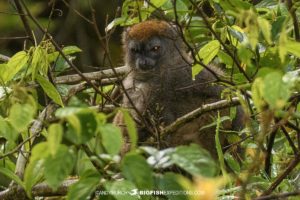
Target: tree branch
<point x="24" y="20"/>
<point x="196" y="113"/>
<point x="278" y="196"/>
<point x="40" y="190"/>
<point x="108" y="73"/>
<point x="283" y="175"/>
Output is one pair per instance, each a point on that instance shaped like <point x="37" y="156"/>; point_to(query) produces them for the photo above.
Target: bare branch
<point x="283" y="175"/>
<point x="24" y="20"/>
<point x="40" y="190"/>
<point x="278" y="196"/>
<point x="108" y="73"/>
<point x="196" y="113"/>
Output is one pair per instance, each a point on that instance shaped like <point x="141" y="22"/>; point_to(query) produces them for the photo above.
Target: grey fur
<point x="159" y="91"/>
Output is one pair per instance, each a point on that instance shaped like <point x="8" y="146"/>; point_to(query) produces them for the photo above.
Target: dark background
<point x="67" y="27"/>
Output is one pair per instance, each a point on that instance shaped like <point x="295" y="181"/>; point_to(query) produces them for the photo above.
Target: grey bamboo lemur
<point x="155" y="87"/>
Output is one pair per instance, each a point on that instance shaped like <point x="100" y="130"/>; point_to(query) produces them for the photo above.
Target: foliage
<point x="256" y="45"/>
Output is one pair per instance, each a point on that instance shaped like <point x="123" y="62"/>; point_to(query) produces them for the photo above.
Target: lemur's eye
<point x="155" y="48"/>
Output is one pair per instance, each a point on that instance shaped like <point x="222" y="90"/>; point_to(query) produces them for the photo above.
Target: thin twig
<point x="293" y="14"/>
<point x="283" y="175"/>
<point x="269" y="152"/>
<point x="24" y="20"/>
<point x="15" y="38"/>
<point x="295" y="150"/>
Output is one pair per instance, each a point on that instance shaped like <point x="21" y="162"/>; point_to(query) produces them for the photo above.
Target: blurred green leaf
<point x="34" y="171"/>
<point x="195" y="160"/>
<point x="131" y="128"/>
<point x="135" y="168"/>
<point x="128" y="190"/>
<point x="265" y="26"/>
<point x="58" y="166"/>
<point x="21" y="115"/>
<point x="257" y="94"/>
<point x="7" y="131"/>
<point x="86" y="185"/>
<point x="171" y="182"/>
<point x="111" y="138"/>
<point x="232" y="163"/>
<point x="82" y="127"/>
<point x="293" y="47"/>
<point x="275" y="91"/>
<point x="12" y="176"/>
<point x="55" y="133"/>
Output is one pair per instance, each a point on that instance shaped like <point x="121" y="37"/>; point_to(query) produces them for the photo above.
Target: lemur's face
<point x="146" y="55"/>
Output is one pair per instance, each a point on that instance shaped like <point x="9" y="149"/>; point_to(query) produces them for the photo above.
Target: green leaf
<point x="34" y="171"/>
<point x="128" y="190"/>
<point x="282" y="50"/>
<point x="14" y="65"/>
<point x="270" y="59"/>
<point x="257" y="94"/>
<point x="82" y="127"/>
<point x="131" y="128"/>
<point x="69" y="111"/>
<point x="7" y="131"/>
<point x="225" y="58"/>
<point x="277" y="26"/>
<point x="234" y="5"/>
<point x="55" y="133"/>
<point x="59" y="166"/>
<point x="219" y="147"/>
<point x="265" y="26"/>
<point x="196" y="69"/>
<point x="111" y="138"/>
<point x="66" y="50"/>
<point x="71" y="50"/>
<point x="171" y="182"/>
<point x="245" y="54"/>
<point x="86" y="185"/>
<point x="232" y="163"/>
<point x="12" y="176"/>
<point x="275" y="91"/>
<point x="195" y="160"/>
<point x="135" y="168"/>
<point x="293" y="47"/>
<point x="157" y="3"/>
<point x="39" y="62"/>
<point x="115" y="23"/>
<point x="50" y="90"/>
<point x="209" y="51"/>
<point x="20" y="116"/>
<point x="33" y="174"/>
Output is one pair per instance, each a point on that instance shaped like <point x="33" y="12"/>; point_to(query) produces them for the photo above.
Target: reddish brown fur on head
<point x="147" y="29"/>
